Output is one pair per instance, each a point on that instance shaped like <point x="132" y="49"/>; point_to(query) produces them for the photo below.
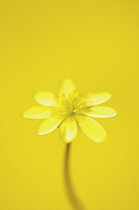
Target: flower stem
<point x="74" y="200"/>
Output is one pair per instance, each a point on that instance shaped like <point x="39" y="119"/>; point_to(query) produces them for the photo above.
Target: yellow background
<point x="95" y="43"/>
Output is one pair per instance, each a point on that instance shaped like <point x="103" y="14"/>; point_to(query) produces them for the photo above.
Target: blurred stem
<point x="74" y="200"/>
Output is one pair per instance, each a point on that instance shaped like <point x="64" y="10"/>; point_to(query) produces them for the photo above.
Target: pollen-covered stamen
<point x="71" y="102"/>
<point x="68" y="104"/>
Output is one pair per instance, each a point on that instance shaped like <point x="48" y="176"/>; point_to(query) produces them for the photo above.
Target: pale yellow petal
<point x="46" y="98"/>
<point x="68" y="129"/>
<point x="99" y="111"/>
<point x="97" y="98"/>
<point x="67" y="87"/>
<point x="50" y="124"/>
<point x="91" y="128"/>
<point x="37" y="112"/>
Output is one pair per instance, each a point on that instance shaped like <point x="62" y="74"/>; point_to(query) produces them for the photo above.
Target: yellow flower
<point x="71" y="111"/>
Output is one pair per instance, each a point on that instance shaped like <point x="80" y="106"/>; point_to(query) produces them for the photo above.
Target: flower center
<point x="72" y="102"/>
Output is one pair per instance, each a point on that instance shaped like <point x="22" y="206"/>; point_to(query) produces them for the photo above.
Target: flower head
<point x="70" y="111"/>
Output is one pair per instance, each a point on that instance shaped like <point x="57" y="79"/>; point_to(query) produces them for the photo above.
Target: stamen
<point x="71" y="102"/>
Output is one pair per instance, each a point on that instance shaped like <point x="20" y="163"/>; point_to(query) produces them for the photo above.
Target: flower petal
<point x="67" y="87"/>
<point x="98" y="98"/>
<point x="50" y="124"/>
<point x="91" y="128"/>
<point x="99" y="111"/>
<point x="46" y="98"/>
<point x="37" y="112"/>
<point x="68" y="129"/>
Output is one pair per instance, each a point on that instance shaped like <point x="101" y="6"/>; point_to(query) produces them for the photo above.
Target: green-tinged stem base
<point x="74" y="200"/>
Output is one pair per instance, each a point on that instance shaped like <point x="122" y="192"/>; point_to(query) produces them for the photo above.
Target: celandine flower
<point x="70" y="111"/>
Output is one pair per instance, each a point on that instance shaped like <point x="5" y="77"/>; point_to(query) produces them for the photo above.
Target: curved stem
<point x="74" y="200"/>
